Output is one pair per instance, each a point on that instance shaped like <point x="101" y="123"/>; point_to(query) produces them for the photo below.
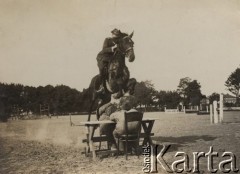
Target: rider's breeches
<point x="102" y="62"/>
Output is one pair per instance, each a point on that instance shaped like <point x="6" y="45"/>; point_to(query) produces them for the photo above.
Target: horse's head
<point x="126" y="46"/>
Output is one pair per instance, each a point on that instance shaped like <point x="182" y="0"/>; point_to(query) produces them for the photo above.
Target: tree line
<point x="62" y="99"/>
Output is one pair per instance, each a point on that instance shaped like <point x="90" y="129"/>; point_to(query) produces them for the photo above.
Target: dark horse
<point x="116" y="79"/>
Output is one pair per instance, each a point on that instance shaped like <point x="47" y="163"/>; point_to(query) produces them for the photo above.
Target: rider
<point x="105" y="55"/>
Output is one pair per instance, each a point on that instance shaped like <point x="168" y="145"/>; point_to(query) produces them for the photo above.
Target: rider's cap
<point x="116" y="32"/>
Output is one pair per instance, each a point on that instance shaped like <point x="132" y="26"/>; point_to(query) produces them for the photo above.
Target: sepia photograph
<point x="119" y="86"/>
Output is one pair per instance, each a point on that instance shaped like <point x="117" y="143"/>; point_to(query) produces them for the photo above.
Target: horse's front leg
<point x="120" y="85"/>
<point x="130" y="87"/>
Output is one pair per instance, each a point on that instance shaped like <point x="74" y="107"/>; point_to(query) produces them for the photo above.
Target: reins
<point x="120" y="50"/>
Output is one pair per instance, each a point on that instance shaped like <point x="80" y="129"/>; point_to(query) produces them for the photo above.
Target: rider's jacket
<point x="106" y="51"/>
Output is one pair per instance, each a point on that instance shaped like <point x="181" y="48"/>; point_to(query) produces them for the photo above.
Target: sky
<point x="56" y="41"/>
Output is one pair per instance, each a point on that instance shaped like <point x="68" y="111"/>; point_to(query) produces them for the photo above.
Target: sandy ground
<point x="53" y="146"/>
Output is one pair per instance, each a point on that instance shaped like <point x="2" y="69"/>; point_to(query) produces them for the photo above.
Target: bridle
<point x="119" y="48"/>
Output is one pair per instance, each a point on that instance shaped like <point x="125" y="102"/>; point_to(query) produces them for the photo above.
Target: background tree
<point x="183" y="84"/>
<point x="144" y="92"/>
<point x="190" y="91"/>
<point x="214" y="96"/>
<point x="193" y="92"/>
<point x="233" y="83"/>
<point x="169" y="99"/>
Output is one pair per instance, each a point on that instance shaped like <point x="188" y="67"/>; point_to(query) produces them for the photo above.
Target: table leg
<point x="87" y="150"/>
<point x="90" y="139"/>
<point x="147" y="130"/>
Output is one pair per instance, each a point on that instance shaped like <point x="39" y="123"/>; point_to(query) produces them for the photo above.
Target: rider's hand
<point x="115" y="46"/>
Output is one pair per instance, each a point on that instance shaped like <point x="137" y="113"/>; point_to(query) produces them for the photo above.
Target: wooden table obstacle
<point x="91" y="126"/>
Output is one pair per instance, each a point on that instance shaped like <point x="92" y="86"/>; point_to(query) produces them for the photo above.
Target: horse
<point x="117" y="79"/>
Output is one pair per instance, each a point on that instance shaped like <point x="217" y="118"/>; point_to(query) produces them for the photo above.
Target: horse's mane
<point x="123" y="35"/>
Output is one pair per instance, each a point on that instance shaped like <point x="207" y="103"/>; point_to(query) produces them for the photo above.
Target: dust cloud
<point x="56" y="131"/>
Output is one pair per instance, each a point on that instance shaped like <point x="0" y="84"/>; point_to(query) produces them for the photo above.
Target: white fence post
<point x="211" y="113"/>
<point x="221" y="108"/>
<point x="215" y="114"/>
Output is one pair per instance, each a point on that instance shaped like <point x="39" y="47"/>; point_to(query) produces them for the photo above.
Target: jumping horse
<point x="117" y="79"/>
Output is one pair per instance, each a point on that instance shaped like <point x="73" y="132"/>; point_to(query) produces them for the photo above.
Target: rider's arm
<point x="103" y="108"/>
<point x="107" y="48"/>
<point x="117" y="116"/>
<point x="114" y="117"/>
